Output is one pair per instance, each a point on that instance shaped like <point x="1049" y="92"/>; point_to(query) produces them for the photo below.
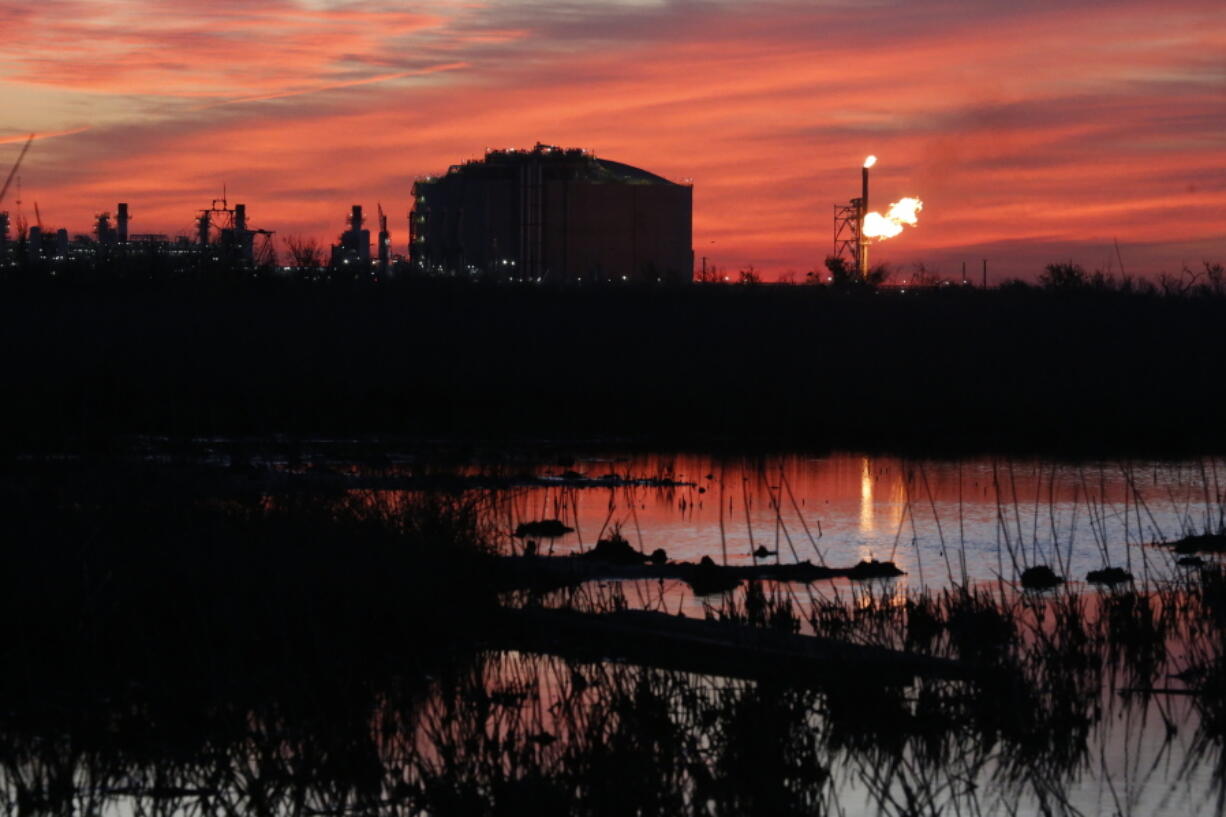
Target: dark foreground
<point x="1020" y="370"/>
<point x="282" y="655"/>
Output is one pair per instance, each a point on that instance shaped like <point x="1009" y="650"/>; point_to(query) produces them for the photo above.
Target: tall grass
<point x="199" y="359"/>
<point x="514" y="733"/>
<point x="324" y="656"/>
<point x="126" y="587"/>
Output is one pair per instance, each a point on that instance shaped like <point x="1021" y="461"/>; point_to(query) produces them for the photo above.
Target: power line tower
<point x="847" y="218"/>
<point x="235" y="241"/>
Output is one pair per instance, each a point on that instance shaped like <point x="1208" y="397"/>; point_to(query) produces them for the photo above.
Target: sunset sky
<point x="1033" y="131"/>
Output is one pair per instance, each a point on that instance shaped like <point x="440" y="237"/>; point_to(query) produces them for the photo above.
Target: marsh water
<point x="1094" y="724"/>
<point x="847" y="506"/>
<point x="944" y="523"/>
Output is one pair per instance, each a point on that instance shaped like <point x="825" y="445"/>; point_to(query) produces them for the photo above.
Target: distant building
<point x="354" y="247"/>
<point x="552" y="214"/>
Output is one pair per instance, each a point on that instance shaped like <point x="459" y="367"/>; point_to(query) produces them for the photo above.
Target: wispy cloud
<point x="336" y="86"/>
<point x="41" y="135"/>
<point x="1012" y="121"/>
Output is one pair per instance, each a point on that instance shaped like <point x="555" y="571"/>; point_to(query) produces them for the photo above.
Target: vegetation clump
<point x="1109" y="576"/>
<point x="123" y="584"/>
<point x="69" y="386"/>
<point x="616" y="550"/>
<point x="707" y="578"/>
<point x="544" y="528"/>
<point x="873" y="569"/>
<point x="1040" y="577"/>
<point x="1212" y="542"/>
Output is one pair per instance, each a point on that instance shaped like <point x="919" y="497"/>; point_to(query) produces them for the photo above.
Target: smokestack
<point x="242" y="236"/>
<point x="202" y="229"/>
<point x="355" y="221"/>
<point x="61" y="243"/>
<point x="102" y="229"/>
<point x="123" y="222"/>
<point x="385" y="244"/>
<point x="862" y="256"/>
<point x="864" y="189"/>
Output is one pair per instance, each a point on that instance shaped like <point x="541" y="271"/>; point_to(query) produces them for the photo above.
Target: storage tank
<point x="552" y="214"/>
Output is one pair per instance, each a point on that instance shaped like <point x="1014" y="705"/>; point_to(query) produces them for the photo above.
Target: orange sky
<point x="1033" y="131"/>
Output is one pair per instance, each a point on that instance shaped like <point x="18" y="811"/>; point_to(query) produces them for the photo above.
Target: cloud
<point x="1016" y="128"/>
<point x="180" y="50"/>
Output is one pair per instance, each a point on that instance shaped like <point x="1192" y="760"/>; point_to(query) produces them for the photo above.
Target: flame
<point x="870" y="161"/>
<point x="901" y="212"/>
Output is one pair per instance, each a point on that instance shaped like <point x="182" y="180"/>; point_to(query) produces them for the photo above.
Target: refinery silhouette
<point x="540" y="215"/>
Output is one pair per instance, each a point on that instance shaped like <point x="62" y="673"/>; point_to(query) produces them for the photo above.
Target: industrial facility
<point x="223" y="242"/>
<point x="542" y="215"/>
<point x="855" y="226"/>
<point x="353" y="251"/>
<point x="552" y="214"/>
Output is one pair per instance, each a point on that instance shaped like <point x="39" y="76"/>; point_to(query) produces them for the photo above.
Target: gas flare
<point x="902" y="212"/>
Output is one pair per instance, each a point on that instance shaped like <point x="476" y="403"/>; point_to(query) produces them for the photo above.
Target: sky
<point x="1033" y="132"/>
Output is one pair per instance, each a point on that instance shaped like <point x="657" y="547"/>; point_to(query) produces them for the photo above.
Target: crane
<point x="16" y="165"/>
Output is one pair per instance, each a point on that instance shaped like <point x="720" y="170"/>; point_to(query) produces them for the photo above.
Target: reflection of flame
<point x="891" y="224"/>
<point x="867" y="523"/>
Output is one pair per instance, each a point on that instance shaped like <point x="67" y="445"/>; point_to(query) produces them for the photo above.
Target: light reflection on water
<point x="936" y="519"/>
<point x="520" y="717"/>
<point x="944" y="522"/>
<point x="939" y="520"/>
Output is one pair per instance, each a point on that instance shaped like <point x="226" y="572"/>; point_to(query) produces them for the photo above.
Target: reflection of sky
<point x="1131" y="758"/>
<point x="1028" y="141"/>
<point x="930" y="517"/>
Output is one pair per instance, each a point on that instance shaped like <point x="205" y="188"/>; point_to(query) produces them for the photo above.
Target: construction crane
<point x="16" y="165"/>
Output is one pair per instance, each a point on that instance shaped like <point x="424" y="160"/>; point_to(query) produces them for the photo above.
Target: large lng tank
<point x="551" y="214"/>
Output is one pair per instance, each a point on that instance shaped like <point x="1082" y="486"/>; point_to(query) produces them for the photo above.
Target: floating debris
<point x="616" y="559"/>
<point x="545" y="528"/>
<point x="724" y="648"/>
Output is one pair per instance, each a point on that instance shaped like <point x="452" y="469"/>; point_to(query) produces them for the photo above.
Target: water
<point x="524" y="733"/>
<point x="942" y="522"/>
<point x="502" y="725"/>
